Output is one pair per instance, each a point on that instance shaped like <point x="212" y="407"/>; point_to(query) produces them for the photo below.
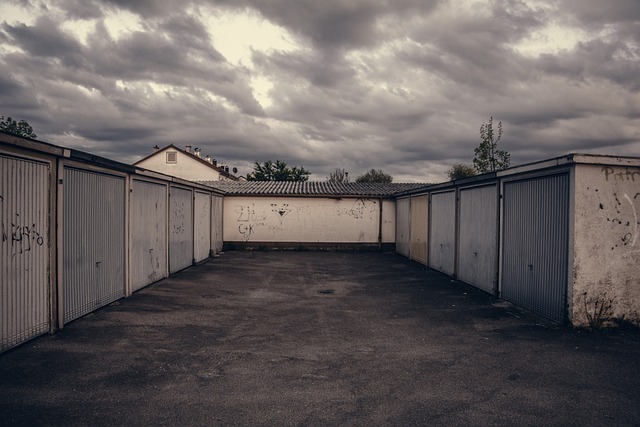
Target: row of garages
<point x="79" y="232"/>
<point x="558" y="237"/>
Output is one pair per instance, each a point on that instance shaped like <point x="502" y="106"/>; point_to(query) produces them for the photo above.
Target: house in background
<point x="186" y="164"/>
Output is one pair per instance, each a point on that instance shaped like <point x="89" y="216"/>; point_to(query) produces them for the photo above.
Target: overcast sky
<point x="398" y="85"/>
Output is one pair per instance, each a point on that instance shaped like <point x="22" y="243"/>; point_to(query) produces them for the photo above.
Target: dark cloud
<point x="399" y="85"/>
<point x="81" y="9"/>
<point x="615" y="61"/>
<point x="597" y="14"/>
<point x="335" y="24"/>
<point x="146" y="8"/>
<point x="45" y="39"/>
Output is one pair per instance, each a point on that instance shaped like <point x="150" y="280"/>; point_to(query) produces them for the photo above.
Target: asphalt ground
<point x="319" y="339"/>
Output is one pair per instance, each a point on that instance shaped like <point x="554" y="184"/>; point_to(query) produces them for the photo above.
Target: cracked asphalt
<point x="317" y="339"/>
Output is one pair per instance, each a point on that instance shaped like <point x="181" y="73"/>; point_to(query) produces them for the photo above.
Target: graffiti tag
<point x="22" y="237"/>
<point x="281" y="210"/>
<point x="628" y="220"/>
<point x="628" y="174"/>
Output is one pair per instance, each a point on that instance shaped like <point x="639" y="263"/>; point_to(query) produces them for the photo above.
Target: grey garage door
<point x="24" y="250"/>
<point x="478" y="237"/>
<point x="94" y="241"/>
<point x="442" y="232"/>
<point x="535" y="243"/>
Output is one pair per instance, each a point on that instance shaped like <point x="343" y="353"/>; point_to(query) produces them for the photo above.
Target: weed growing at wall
<point x="599" y="311"/>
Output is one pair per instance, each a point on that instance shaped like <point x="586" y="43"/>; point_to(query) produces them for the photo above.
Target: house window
<point x="172" y="157"/>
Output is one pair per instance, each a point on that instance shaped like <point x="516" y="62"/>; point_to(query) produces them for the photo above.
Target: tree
<point x="278" y="171"/>
<point x="340" y="175"/>
<point x="21" y="128"/>
<point x="488" y="157"/>
<point x="375" y="176"/>
<point x="461" y="171"/>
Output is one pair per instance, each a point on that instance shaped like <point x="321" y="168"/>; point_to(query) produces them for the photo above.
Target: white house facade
<point x="186" y="164"/>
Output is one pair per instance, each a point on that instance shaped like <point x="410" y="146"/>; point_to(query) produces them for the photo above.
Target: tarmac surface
<point x="319" y="339"/>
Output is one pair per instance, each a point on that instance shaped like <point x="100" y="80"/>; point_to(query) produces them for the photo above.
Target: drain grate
<point x="327" y="291"/>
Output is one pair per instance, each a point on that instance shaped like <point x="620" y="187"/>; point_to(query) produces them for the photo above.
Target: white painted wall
<point x="606" y="262"/>
<point x="311" y="220"/>
<point x="185" y="167"/>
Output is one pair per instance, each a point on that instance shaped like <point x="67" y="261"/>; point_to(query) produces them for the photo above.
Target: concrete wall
<point x="250" y="219"/>
<point x="185" y="167"/>
<point x="606" y="259"/>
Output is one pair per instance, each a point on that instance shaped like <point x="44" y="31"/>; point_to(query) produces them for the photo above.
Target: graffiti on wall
<point x="16" y="232"/>
<point x="249" y="214"/>
<point x="626" y="221"/>
<point x="276" y="218"/>
<point x="622" y="209"/>
<point x="621" y="174"/>
<point x="281" y="210"/>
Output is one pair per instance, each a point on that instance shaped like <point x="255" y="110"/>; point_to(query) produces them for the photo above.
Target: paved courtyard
<point x="319" y="339"/>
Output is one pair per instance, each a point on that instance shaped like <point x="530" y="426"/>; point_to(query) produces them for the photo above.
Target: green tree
<point x="340" y="175"/>
<point x="460" y="171"/>
<point x="21" y="128"/>
<point x="488" y="158"/>
<point x="375" y="176"/>
<point x="277" y="171"/>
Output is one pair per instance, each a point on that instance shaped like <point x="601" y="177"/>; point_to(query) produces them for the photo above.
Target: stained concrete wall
<point x="606" y="259"/>
<point x="251" y="219"/>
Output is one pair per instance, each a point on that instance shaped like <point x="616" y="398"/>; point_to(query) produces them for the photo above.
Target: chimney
<point x="207" y="158"/>
<point x="214" y="162"/>
<point x="187" y="149"/>
<point x="197" y="151"/>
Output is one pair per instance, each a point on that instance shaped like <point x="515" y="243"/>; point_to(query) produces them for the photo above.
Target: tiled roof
<point x="322" y="188"/>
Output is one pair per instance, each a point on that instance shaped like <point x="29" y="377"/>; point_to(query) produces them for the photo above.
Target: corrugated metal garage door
<point x="202" y="226"/>
<point x="478" y="238"/>
<point x="443" y="232"/>
<point x="93" y="242"/>
<point x="216" y="223"/>
<point x="419" y="226"/>
<point x="24" y="250"/>
<point x="535" y="242"/>
<point x="403" y="221"/>
<point x="180" y="229"/>
<point x="148" y="233"/>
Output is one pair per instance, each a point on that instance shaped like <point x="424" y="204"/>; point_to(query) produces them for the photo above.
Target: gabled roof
<point x="190" y="155"/>
<point x="321" y="188"/>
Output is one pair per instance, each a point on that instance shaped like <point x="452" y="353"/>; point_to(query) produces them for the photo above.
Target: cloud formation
<point x="403" y="86"/>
